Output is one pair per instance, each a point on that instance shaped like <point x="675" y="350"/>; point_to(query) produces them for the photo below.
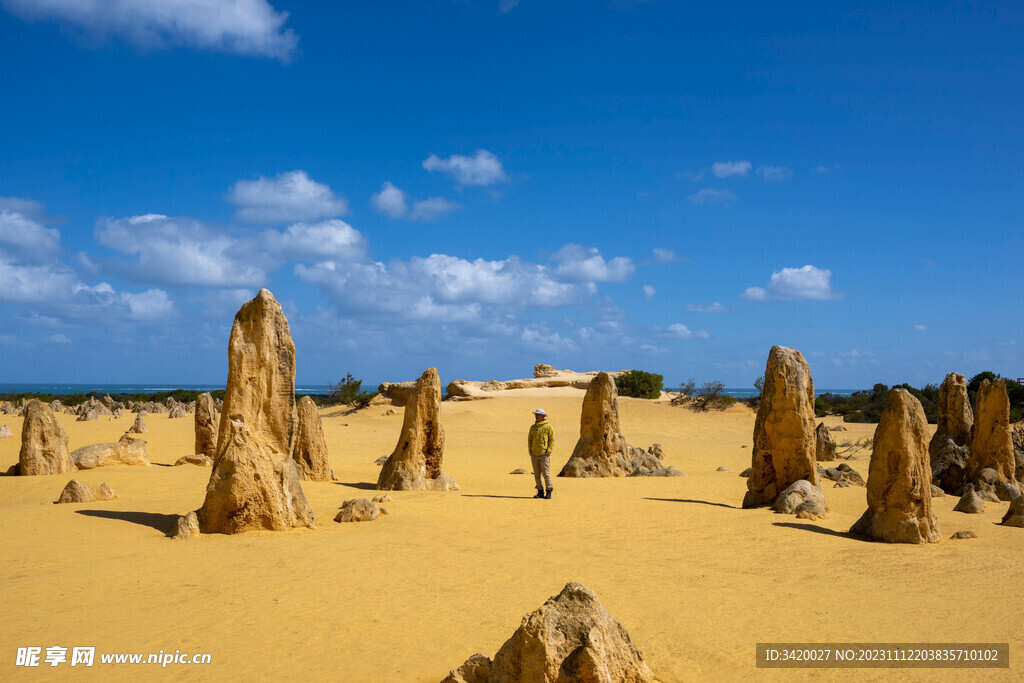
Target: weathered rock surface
<point x="206" y="425"/>
<point x="899" y="478"/>
<point x="544" y="370"/>
<point x="549" y="378"/>
<point x="803" y="499"/>
<point x="949" y="465"/>
<point x="310" y="446"/>
<point x="194" y="459"/>
<point x="177" y="412"/>
<point x="476" y="669"/>
<point x="77" y="492"/>
<point x="254" y="483"/>
<point x="991" y="442"/>
<point x="415" y="464"/>
<point x="937" y="492"/>
<point x="601" y="450"/>
<point x="139" y="426"/>
<point x="187" y="526"/>
<point x="127" y="451"/>
<point x="970" y="502"/>
<point x="1018" y="448"/>
<point x="398" y="393"/>
<point x="963" y="535"/>
<point x="1015" y="514"/>
<point x="44" y="444"/>
<point x="571" y="637"/>
<point x="358" y="510"/>
<point x="5" y="432"/>
<point x="955" y="419"/>
<point x="7" y="408"/>
<point x="824" y="446"/>
<point x="151" y="407"/>
<point x="784" y="441"/>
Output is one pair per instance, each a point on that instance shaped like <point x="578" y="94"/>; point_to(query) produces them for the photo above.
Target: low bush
<point x="639" y="384"/>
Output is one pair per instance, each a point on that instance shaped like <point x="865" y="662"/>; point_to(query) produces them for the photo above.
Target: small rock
<point x="746" y="472"/>
<point x="841" y="484"/>
<point x="961" y="535"/>
<point x="187" y="526"/>
<point x="389" y="411"/>
<point x="358" y="510"/>
<point x="837" y="428"/>
<point x="723" y="468"/>
<point x="656" y="451"/>
<point x="937" y="492"/>
<point x="197" y="459"/>
<point x="381" y="460"/>
<point x="77" y="492"/>
<point x="970" y="502"/>
<point x="801" y="497"/>
<point x="669" y="471"/>
<point x="518" y="470"/>
<point x="1007" y="491"/>
<point x="382" y="499"/>
<point x="5" y="432"/>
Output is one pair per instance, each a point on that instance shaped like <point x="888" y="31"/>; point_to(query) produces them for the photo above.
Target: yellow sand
<point x="696" y="580"/>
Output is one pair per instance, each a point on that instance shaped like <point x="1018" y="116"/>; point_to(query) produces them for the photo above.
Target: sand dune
<point x="697" y="581"/>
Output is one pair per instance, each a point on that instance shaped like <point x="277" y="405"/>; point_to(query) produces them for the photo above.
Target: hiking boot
<point x="548" y="494"/>
<point x="540" y="493"/>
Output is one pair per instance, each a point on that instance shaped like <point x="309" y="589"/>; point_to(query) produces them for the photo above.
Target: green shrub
<point x="348" y="391"/>
<point x="639" y="384"/>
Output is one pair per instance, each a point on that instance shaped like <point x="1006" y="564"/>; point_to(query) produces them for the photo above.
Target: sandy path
<point x="695" y="580"/>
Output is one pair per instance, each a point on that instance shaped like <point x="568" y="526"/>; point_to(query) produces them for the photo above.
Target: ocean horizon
<point x="310" y="389"/>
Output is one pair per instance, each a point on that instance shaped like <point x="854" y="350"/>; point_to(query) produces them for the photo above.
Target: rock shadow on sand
<point x="695" y="502"/>
<point x="155" y="520"/>
<point x="823" y="530"/>
<point x="361" y="485"/>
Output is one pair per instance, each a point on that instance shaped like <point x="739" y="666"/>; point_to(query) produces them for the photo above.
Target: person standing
<point x="541" y="443"/>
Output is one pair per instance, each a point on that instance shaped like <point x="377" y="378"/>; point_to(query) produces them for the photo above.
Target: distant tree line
<point x="867" y="406"/>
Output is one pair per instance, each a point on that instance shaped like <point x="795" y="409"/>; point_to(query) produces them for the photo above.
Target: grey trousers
<point x="542" y="471"/>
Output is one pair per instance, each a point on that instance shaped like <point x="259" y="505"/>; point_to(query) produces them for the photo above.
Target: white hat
<point x="539" y="411"/>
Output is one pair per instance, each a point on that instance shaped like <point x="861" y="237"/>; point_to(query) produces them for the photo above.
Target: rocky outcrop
<point x="571" y="637"/>
<point x="784" y="441"/>
<point x="127" y="451"/>
<point x="139" y="427"/>
<point x="544" y="370"/>
<point x="601" y="450"/>
<point x="358" y="510"/>
<point x="398" y="393"/>
<point x="205" y="425"/>
<point x="548" y="377"/>
<point x="44" y="444"/>
<point x="899" y="478"/>
<point x="151" y="407"/>
<point x="177" y="412"/>
<point x="5" y="432"/>
<point x="1015" y="514"/>
<point x="948" y="449"/>
<point x="77" y="492"/>
<point x="824" y="446"/>
<point x="415" y="464"/>
<point x="7" y="408"/>
<point x="187" y="526"/>
<point x="254" y="483"/>
<point x="310" y="446"/>
<point x="991" y="442"/>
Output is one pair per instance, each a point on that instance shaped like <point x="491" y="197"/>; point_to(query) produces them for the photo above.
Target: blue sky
<point x="482" y="185"/>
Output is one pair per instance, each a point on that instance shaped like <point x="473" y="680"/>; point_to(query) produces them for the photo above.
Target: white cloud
<point x="726" y="169"/>
<point x="331" y="239"/>
<point x="664" y="256"/>
<point x="34" y="283"/>
<point x="714" y="197"/>
<point x="921" y="328"/>
<point x="680" y="331"/>
<point x="434" y="207"/>
<point x="506" y="6"/>
<point x="390" y="200"/>
<point x="178" y="251"/>
<point x="649" y="292"/>
<point x="245" y="27"/>
<point x="796" y="284"/>
<point x="776" y="174"/>
<point x="585" y="264"/>
<point x="153" y="304"/>
<point x="483" y="168"/>
<point x="58" y="339"/>
<point x="29" y="208"/>
<point x="705" y="308"/>
<point x="285" y="198"/>
<point x="26" y="237"/>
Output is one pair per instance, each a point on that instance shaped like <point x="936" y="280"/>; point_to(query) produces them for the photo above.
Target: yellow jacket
<point x="542" y="438"/>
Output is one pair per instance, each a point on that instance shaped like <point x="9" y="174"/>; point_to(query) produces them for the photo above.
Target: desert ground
<point x="696" y="580"/>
